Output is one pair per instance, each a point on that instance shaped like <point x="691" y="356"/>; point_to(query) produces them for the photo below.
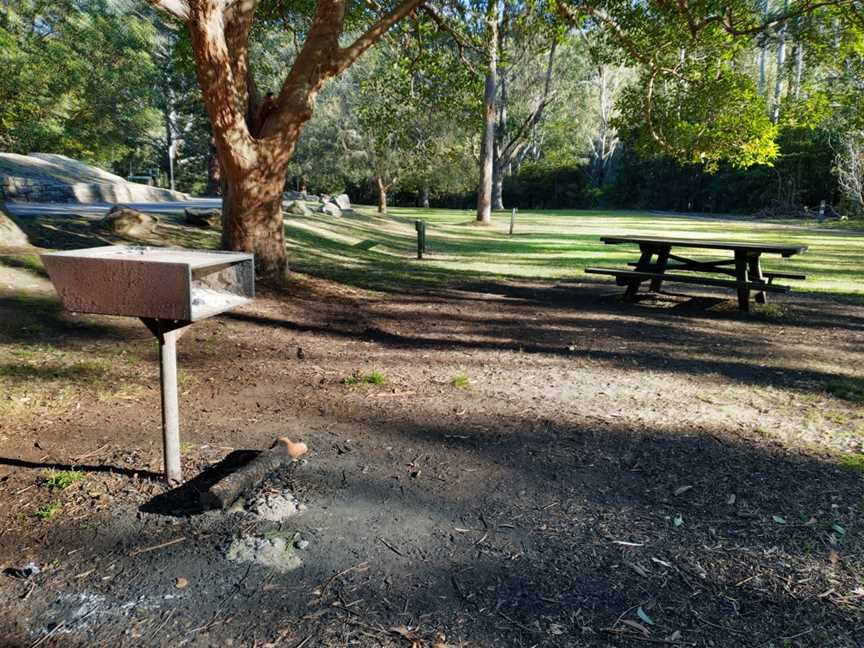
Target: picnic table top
<point x="770" y="248"/>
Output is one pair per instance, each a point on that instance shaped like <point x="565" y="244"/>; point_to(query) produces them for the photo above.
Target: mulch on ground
<point x="542" y="466"/>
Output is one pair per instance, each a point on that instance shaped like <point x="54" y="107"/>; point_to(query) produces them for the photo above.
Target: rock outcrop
<point x="126" y="221"/>
<point x="206" y="218"/>
<point x="45" y="177"/>
<point x="10" y="234"/>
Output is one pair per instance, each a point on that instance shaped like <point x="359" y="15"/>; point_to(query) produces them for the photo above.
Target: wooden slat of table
<point x="709" y="244"/>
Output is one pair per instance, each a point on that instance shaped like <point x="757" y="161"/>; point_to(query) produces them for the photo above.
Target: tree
<point x="849" y="167"/>
<point x="77" y="79"/>
<point x="255" y="146"/>
<point x="694" y="99"/>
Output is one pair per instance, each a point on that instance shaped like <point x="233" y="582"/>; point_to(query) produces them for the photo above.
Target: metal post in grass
<point x="821" y="211"/>
<point x="512" y="220"/>
<point x="420" y="226"/>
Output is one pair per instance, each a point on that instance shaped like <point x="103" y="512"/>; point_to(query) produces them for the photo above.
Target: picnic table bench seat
<point x="624" y="277"/>
<point x="743" y="272"/>
<point x="770" y="275"/>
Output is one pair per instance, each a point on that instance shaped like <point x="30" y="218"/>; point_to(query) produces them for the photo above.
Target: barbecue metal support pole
<point x="170" y="406"/>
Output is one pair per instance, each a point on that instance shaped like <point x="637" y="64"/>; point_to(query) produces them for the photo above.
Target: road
<point x="30" y="210"/>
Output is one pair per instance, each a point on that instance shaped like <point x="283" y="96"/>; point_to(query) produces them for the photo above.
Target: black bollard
<point x="420" y="226"/>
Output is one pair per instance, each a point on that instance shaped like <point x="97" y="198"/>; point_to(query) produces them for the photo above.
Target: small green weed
<point x="850" y="389"/>
<point x="853" y="463"/>
<point x="771" y="311"/>
<point x="186" y="447"/>
<point x="371" y="378"/>
<point x="460" y="381"/>
<point x="49" y="511"/>
<point x="62" y="479"/>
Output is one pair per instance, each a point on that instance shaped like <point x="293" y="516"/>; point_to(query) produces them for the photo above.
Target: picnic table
<point x="657" y="264"/>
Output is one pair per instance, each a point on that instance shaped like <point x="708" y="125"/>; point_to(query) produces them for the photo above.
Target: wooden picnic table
<point x="657" y="260"/>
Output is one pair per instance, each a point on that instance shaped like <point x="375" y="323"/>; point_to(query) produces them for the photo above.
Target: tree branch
<point x="178" y="9"/>
<point x="213" y="63"/>
<point x="346" y="56"/>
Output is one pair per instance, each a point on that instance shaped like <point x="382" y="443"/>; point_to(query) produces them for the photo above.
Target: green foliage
<point x="77" y="79"/>
<point x="853" y="463"/>
<point x="461" y="381"/>
<point x="371" y="378"/>
<point x="62" y="479"/>
<point x="49" y="511"/>
<point x="849" y="389"/>
<point x="716" y="117"/>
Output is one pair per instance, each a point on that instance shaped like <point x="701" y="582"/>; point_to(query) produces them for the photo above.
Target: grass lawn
<point x="366" y="250"/>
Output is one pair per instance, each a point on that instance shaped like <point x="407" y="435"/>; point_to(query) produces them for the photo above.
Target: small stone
<point x="181" y="583"/>
<point x="301" y="544"/>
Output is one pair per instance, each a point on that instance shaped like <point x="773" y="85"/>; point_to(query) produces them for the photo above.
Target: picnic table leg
<point x="662" y="261"/>
<point x="641" y="266"/>
<point x="757" y="276"/>
<point x="742" y="276"/>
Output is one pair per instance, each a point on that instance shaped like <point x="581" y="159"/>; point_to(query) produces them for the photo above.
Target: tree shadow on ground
<point x="34" y="317"/>
<point x="531" y="533"/>
<point x="674" y="349"/>
<point x="86" y="468"/>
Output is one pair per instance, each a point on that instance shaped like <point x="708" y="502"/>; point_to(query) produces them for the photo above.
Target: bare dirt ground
<point x="662" y="473"/>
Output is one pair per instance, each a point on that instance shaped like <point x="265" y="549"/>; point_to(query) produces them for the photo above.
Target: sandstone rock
<point x="342" y="201"/>
<point x="206" y="218"/>
<point x="294" y="195"/>
<point x="298" y="208"/>
<point x="331" y="209"/>
<point x="10" y="234"/>
<point x="126" y="221"/>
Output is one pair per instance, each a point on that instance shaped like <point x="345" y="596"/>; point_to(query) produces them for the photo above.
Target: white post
<point x="170" y="406"/>
<point x="171" y="153"/>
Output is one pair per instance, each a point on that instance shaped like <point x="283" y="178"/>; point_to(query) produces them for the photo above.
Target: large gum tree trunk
<point x="252" y="221"/>
<point x="487" y="146"/>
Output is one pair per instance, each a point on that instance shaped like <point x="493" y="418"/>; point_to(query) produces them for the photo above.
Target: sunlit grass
<point x="367" y="250"/>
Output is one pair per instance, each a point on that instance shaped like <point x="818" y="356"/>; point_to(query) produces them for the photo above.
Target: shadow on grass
<point x="29" y="262"/>
<point x="39" y="465"/>
<point x="85" y="372"/>
<point x="35" y="317"/>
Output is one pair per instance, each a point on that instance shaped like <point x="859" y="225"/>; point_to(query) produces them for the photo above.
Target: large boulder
<point x="293" y="195"/>
<point x="298" y="208"/>
<point x="342" y="201"/>
<point x="10" y="234"/>
<point x="126" y="221"/>
<point x="206" y="218"/>
<point x="329" y="208"/>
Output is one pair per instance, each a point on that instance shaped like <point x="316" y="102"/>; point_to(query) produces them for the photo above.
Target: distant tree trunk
<point x="214" y="172"/>
<point x="799" y="68"/>
<point x="382" y="194"/>
<point x="763" y="54"/>
<point x="497" y="186"/>
<point x="487" y="145"/>
<point x="781" y="62"/>
<point x="424" y="196"/>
